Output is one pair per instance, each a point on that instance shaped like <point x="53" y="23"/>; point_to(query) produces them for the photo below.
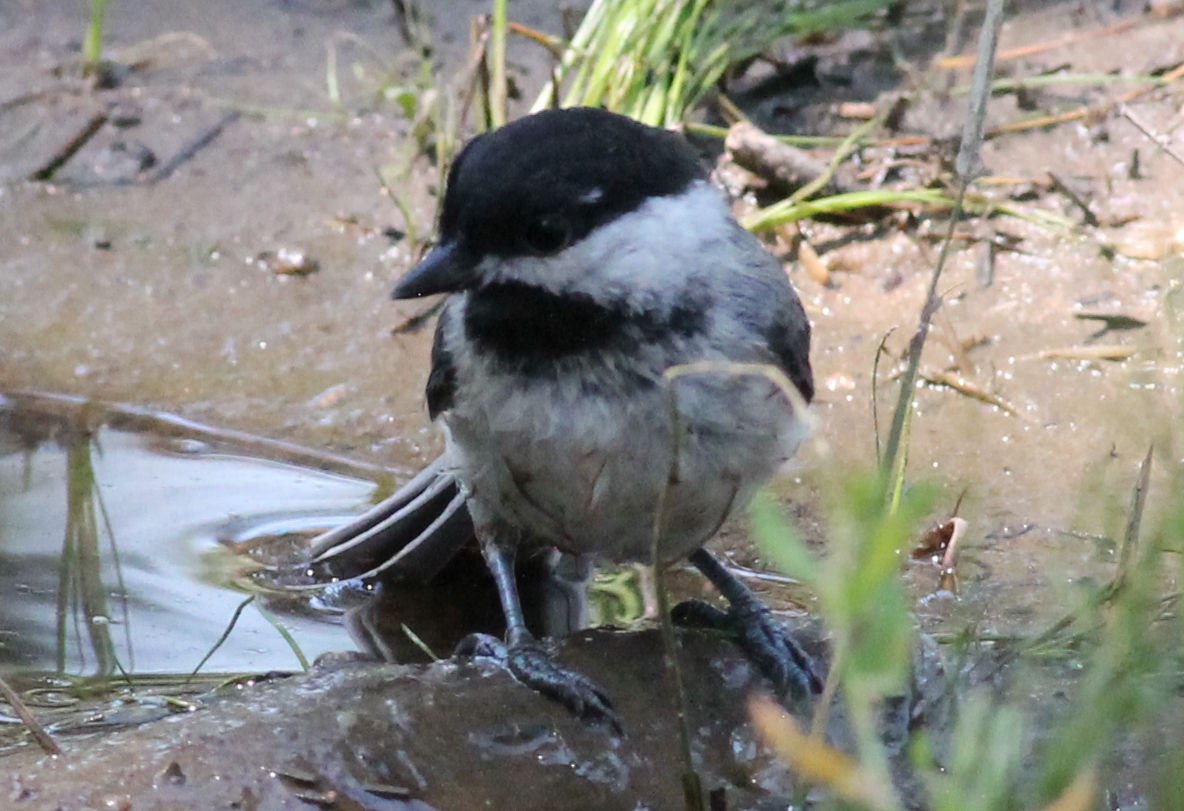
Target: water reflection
<point x="110" y="558"/>
<point x="82" y="596"/>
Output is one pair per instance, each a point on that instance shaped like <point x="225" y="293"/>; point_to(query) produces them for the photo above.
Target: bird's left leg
<point x="765" y="642"/>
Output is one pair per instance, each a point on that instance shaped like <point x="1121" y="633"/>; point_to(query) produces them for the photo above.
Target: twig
<point x="881" y="350"/>
<point x="476" y="72"/>
<point x="1086" y="111"/>
<point x="792" y="169"/>
<point x="1157" y="138"/>
<point x="1076" y="199"/>
<point x="193" y="147"/>
<point x="1138" y="501"/>
<point x="1024" y="51"/>
<point x="844" y="149"/>
<point x="1096" y="352"/>
<point x="963" y="385"/>
<point x="34" y="96"/>
<point x="552" y="43"/>
<point x="70" y="148"/>
<point x="47" y="743"/>
<point x="418" y="320"/>
<point x="787" y="166"/>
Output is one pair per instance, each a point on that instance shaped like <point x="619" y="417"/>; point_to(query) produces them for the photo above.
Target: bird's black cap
<point x="544" y="182"/>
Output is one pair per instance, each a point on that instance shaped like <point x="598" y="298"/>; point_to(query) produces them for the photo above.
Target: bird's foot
<point x="765" y="642"/>
<point x="530" y="664"/>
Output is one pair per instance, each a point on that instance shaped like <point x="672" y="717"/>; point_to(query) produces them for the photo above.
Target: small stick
<point x="193" y="147"/>
<point x="787" y="166"/>
<point x="71" y="147"/>
<point x="968" y="388"/>
<point x="1138" y="501"/>
<point x="1115" y="352"/>
<point x="29" y="98"/>
<point x="1075" y="198"/>
<point x="1023" y="51"/>
<point x="417" y="321"/>
<point x="47" y="744"/>
<point x="1156" y="137"/>
<point x="1086" y="111"/>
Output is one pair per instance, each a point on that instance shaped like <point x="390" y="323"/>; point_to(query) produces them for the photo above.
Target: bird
<point x="618" y="366"/>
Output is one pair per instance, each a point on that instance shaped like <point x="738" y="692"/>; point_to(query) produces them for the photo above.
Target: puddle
<point x="131" y="540"/>
<point x="111" y="546"/>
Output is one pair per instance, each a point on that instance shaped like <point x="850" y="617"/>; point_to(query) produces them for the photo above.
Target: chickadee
<point x="586" y="370"/>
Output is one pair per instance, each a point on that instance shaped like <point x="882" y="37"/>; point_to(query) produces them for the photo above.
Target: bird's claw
<point x="530" y="664"/>
<point x="764" y="641"/>
<point x="533" y="666"/>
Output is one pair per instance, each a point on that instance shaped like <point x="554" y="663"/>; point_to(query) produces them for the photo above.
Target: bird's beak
<point x="445" y="270"/>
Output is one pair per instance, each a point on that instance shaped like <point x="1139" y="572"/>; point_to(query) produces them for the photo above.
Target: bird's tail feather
<point x="410" y="535"/>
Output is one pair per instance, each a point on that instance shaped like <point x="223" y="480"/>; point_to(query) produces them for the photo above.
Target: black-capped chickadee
<point x="597" y="370"/>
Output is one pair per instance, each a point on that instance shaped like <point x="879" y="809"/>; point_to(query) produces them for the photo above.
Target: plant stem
<point x="92" y="45"/>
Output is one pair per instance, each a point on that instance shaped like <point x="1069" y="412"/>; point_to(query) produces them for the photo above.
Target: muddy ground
<point x="146" y="270"/>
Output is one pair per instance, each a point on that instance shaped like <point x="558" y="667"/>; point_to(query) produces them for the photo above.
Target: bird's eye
<point x="546" y="236"/>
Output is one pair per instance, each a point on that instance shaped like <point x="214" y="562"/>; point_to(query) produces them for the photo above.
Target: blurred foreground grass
<point x="1111" y="730"/>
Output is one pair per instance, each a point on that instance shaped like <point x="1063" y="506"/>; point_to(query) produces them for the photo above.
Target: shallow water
<point x="113" y="554"/>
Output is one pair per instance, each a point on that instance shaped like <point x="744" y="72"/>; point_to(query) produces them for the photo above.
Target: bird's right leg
<point x="525" y="657"/>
